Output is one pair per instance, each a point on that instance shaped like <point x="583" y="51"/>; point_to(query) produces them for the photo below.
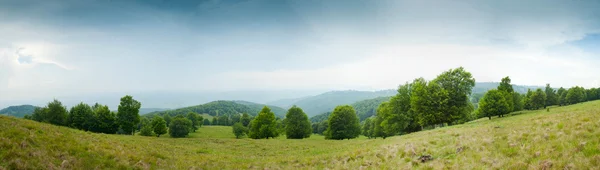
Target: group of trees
<point x="97" y="118"/>
<point x="424" y="104"/>
<point x="265" y="125"/>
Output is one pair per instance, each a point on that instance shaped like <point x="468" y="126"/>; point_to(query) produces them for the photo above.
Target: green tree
<point x="576" y="95"/>
<point x="518" y="102"/>
<point x="54" y="113"/>
<point x="367" y="128"/>
<point x="239" y="130"/>
<point x="167" y="119"/>
<point x="81" y="117"/>
<point x="396" y="116"/>
<point x="195" y="120"/>
<point x="505" y="85"/>
<point x="264" y="125"/>
<point x="537" y="99"/>
<point x="378" y="130"/>
<point x="297" y="125"/>
<point x="343" y="124"/>
<point x="429" y="101"/>
<point x="493" y="104"/>
<point x="458" y="83"/>
<point x="146" y="130"/>
<point x="214" y="121"/>
<point x="128" y="114"/>
<point x="551" y="98"/>
<point x="179" y="127"/>
<point x="562" y="96"/>
<point x="159" y="126"/>
<point x="105" y="119"/>
<point x="224" y="120"/>
<point x="206" y="122"/>
<point x="245" y="119"/>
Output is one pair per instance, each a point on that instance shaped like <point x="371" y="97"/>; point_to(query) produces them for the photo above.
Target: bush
<point x="180" y="127"/>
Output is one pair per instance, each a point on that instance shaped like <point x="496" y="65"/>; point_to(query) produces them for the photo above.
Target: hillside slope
<point x="222" y="107"/>
<point x="326" y="102"/>
<point x="563" y="138"/>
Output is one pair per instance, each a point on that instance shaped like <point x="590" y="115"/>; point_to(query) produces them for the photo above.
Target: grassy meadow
<point x="561" y="138"/>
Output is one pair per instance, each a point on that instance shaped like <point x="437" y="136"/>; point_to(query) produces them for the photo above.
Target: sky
<point x="75" y="49"/>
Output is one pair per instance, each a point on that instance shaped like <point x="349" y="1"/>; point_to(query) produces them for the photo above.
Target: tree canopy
<point x="297" y="125"/>
<point x="343" y="124"/>
<point x="128" y="114"/>
<point x="264" y="125"/>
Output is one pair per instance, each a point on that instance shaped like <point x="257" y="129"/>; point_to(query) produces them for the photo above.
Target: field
<point x="561" y="138"/>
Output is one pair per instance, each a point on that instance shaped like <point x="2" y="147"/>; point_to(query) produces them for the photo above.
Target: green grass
<point x="564" y="138"/>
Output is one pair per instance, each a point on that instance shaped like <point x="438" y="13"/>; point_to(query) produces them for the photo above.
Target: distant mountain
<point x="144" y="111"/>
<point x="364" y="109"/>
<point x="222" y="107"/>
<point x="18" y="111"/>
<point x="326" y="102"/>
<point x="482" y="87"/>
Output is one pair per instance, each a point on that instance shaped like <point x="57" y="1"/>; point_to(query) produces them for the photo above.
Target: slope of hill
<point x="144" y="111"/>
<point x="326" y="102"/>
<point x="220" y="108"/>
<point x="364" y="109"/>
<point x="562" y="138"/>
<point x="482" y="87"/>
<point x="18" y="111"/>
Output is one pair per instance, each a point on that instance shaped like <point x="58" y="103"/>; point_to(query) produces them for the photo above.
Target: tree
<point x="81" y="117"/>
<point x="264" y="125"/>
<point x="518" y="102"/>
<point x="395" y="116"/>
<point x="576" y="95"/>
<point x="429" y="101"/>
<point x="562" y="96"/>
<point x="245" y="119"/>
<point x="538" y="99"/>
<point x="297" y="125"/>
<point x="159" y="126"/>
<point x="367" y="128"/>
<point x="106" y="120"/>
<point x="180" y="127"/>
<point x="195" y="120"/>
<point x="224" y="120"/>
<point x="505" y="85"/>
<point x="214" y="121"/>
<point x="206" y="122"/>
<point x="146" y="129"/>
<point x="54" y="113"/>
<point x="458" y="83"/>
<point x="128" y="114"/>
<point x="493" y="104"/>
<point x="379" y="130"/>
<point x="551" y="98"/>
<point x="343" y="124"/>
<point x="239" y="130"/>
<point x="167" y="119"/>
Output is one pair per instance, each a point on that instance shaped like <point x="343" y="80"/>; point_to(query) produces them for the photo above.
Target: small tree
<point x="146" y="130"/>
<point x="81" y="117"/>
<point x="159" y="126"/>
<point x="193" y="117"/>
<point x="167" y="119"/>
<point x="493" y="104"/>
<point x="206" y="122"/>
<point x="239" y="130"/>
<point x="367" y="128"/>
<point x="245" y="119"/>
<point x="180" y="127"/>
<point x="297" y="125"/>
<point x="264" y="125"/>
<point x="343" y="124"/>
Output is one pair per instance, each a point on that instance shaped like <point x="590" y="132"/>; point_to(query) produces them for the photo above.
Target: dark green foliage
<point x="195" y="120"/>
<point x="505" y="85"/>
<point x="378" y="129"/>
<point x="367" y="108"/>
<point x="167" y="119"/>
<point x="206" y="122"/>
<point x="562" y="96"/>
<point x="576" y="95"/>
<point x="518" y="102"/>
<point x="535" y="100"/>
<point x="18" y="111"/>
<point x="179" y="127"/>
<point x="494" y="104"/>
<point x="106" y="121"/>
<point x="239" y="130"/>
<point x="551" y="97"/>
<point x="159" y="126"/>
<point x="343" y="124"/>
<point x="458" y="83"/>
<point x="128" y="114"/>
<point x="297" y="125"/>
<point x="320" y="118"/>
<point x="264" y="125"/>
<point x="429" y="101"/>
<point x="367" y="127"/>
<point x="224" y="121"/>
<point x="245" y="120"/>
<point x="146" y="129"/>
<point x="54" y="113"/>
<point x="320" y="127"/>
<point x="80" y="117"/>
<point x="221" y="108"/>
<point x="214" y="121"/>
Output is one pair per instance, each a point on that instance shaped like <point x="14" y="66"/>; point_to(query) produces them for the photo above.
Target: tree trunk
<point x="490" y="117"/>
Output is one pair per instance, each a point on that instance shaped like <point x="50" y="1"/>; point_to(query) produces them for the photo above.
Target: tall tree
<point x="367" y="127"/>
<point x="214" y="121"/>
<point x="429" y="101"/>
<point x="458" y="83"/>
<point x="507" y="88"/>
<point x="562" y="96"/>
<point x="239" y="130"/>
<point x="297" y="125"/>
<point x="264" y="125"/>
<point x="343" y="124"/>
<point x="518" y="102"/>
<point x="551" y="98"/>
<point x="128" y="114"/>
<point x="493" y="104"/>
<point x="159" y="126"/>
<point x="81" y="117"/>
<point x="106" y="120"/>
<point x="194" y="118"/>
<point x="54" y="113"/>
<point x="395" y="116"/>
<point x="167" y="119"/>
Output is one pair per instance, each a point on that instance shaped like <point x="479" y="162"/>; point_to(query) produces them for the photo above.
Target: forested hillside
<point x="18" y="111"/>
<point x="221" y="108"/>
<point x="327" y="101"/>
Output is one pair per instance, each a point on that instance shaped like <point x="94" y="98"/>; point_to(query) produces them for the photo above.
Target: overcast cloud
<point x="87" y="47"/>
